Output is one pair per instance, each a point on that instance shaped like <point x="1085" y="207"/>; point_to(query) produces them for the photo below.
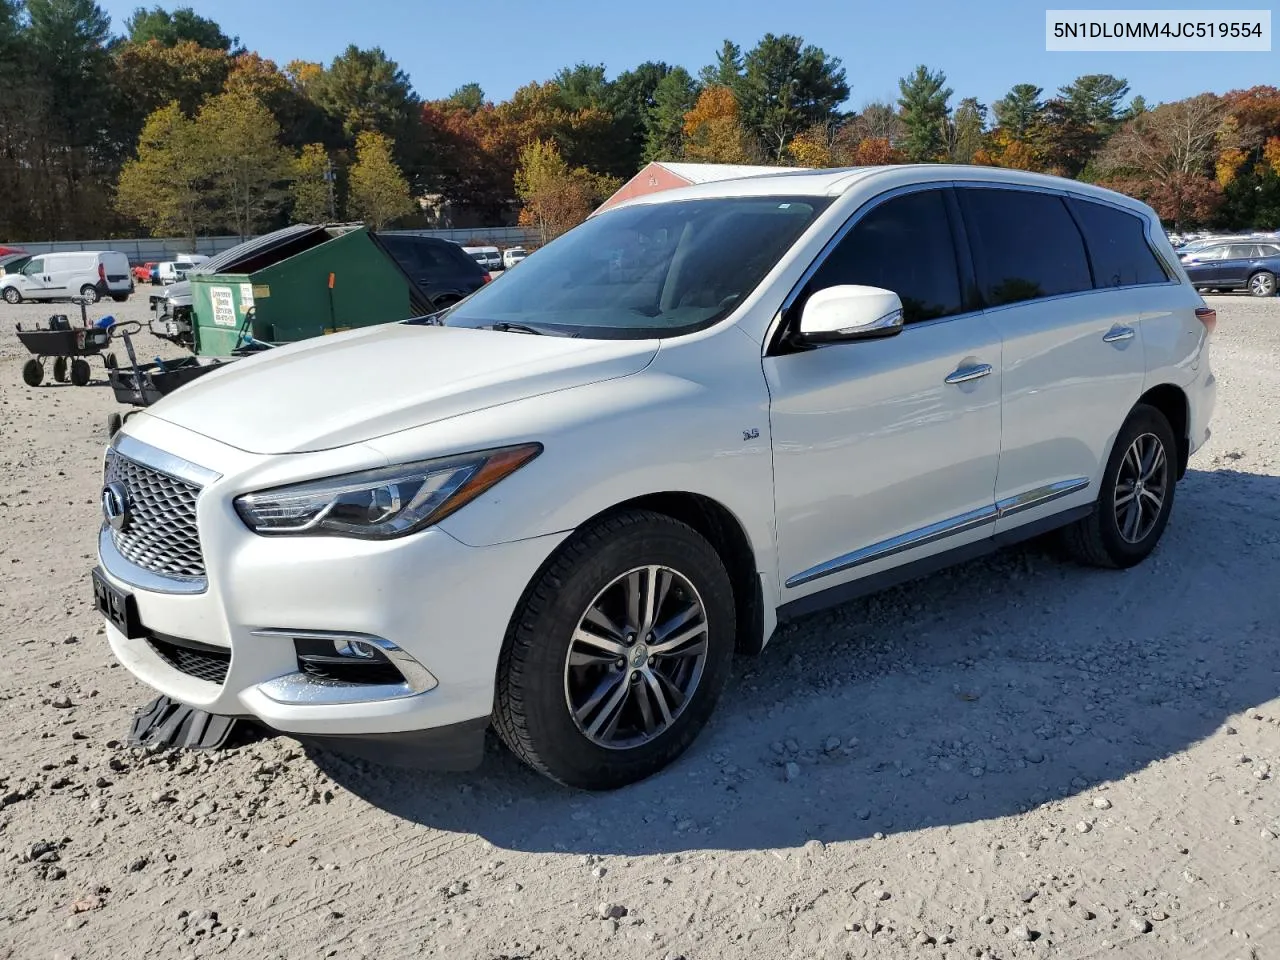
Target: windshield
<point x="652" y="270"/>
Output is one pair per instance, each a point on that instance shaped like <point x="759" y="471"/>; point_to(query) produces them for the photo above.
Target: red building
<point x="659" y="175"/>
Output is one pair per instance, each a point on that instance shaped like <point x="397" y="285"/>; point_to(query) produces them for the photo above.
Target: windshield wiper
<point x="502" y="326"/>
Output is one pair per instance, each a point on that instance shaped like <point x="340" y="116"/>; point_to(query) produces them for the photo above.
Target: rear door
<point x="1072" y="354"/>
<point x="1233" y="269"/>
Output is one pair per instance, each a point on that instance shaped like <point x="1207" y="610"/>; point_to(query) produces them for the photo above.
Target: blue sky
<point x="984" y="46"/>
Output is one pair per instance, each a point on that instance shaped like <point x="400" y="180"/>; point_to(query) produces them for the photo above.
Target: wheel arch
<point x="727" y="536"/>
<point x="1171" y="400"/>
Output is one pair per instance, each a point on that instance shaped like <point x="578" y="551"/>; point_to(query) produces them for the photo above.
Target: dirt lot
<point x="1017" y="758"/>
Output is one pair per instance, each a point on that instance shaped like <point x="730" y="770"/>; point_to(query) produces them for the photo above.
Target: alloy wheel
<point x="636" y="657"/>
<point x="1141" y="487"/>
<point x="1262" y="285"/>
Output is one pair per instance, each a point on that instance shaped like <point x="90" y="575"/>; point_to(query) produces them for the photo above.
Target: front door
<point x="885" y="451"/>
<point x="32" y="282"/>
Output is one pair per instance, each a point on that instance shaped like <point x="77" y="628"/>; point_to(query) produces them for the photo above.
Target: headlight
<point x="383" y="503"/>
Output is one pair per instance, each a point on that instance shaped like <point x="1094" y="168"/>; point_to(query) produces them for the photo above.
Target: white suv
<point x="563" y="505"/>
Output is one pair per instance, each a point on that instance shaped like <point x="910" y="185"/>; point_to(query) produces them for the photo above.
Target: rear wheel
<point x="618" y="652"/>
<point x="119" y="297"/>
<point x="11" y="295"/>
<point x="1263" y="284"/>
<point x="1136" y="497"/>
<point x="60" y="369"/>
<point x="79" y="372"/>
<point x="89" y="292"/>
<point x="32" y="372"/>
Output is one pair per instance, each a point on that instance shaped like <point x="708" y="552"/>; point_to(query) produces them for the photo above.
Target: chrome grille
<point x="161" y="534"/>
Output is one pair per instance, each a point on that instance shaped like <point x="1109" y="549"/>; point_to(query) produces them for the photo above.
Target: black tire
<point x="114" y="423"/>
<point x="60" y="369"/>
<point x="109" y="361"/>
<point x="531" y="711"/>
<point x="12" y="295"/>
<point x="32" y="372"/>
<point x="1262" y="284"/>
<point x="90" y="293"/>
<point x="119" y="297"/>
<point x="79" y="372"/>
<point x="1097" y="540"/>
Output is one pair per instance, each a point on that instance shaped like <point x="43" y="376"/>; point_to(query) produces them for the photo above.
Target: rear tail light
<point x="102" y="273"/>
<point x="487" y="278"/>
<point x="1209" y="317"/>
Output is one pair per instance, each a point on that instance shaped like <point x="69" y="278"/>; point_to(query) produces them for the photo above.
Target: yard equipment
<point x="67" y="346"/>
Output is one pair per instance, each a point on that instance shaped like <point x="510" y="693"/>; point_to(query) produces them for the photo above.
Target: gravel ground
<point x="1016" y="758"/>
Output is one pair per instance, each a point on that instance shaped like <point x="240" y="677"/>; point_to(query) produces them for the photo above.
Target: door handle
<point x="1116" y="334"/>
<point x="965" y="374"/>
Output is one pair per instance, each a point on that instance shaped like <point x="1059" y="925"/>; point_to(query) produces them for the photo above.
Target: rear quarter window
<point x="1118" y="247"/>
<point x="1025" y="244"/>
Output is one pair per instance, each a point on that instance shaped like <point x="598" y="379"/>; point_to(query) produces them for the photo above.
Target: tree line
<point x="173" y="127"/>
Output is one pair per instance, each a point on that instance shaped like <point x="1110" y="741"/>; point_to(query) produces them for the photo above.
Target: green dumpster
<point x="343" y="279"/>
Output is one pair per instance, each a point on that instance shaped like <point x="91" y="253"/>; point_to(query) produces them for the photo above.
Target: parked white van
<point x="91" y="274"/>
<point x="513" y="255"/>
<point x="171" y="271"/>
<point x="488" y="257"/>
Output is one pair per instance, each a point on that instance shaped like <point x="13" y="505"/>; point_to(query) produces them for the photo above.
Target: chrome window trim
<point x="159" y="460"/>
<point x="933" y="532"/>
<point x="126" y="571"/>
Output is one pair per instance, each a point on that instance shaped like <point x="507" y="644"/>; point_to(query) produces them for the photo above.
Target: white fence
<point x="167" y="248"/>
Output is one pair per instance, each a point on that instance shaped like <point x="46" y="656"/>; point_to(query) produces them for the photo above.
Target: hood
<point x="336" y="390"/>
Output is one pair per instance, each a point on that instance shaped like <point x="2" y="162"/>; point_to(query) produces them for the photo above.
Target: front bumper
<point x="444" y="605"/>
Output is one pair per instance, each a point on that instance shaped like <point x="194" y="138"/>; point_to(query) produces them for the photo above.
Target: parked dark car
<point x="442" y="270"/>
<point x="1238" y="265"/>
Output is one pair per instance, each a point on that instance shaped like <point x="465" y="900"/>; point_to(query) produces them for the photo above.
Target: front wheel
<point x="79" y="372"/>
<point x="618" y="652"/>
<point x="32" y="372"/>
<point x="1136" y="496"/>
<point x="1263" y="284"/>
<point x="11" y="295"/>
<point x="90" y="293"/>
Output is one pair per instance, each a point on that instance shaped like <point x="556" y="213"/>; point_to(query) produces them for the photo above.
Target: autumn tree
<point x="923" y="100"/>
<point x="878" y="121"/>
<point x="151" y="74"/>
<point x="1165" y="157"/>
<point x="310" y="190"/>
<point x="164" y="186"/>
<point x="713" y="129"/>
<point x="379" y="192"/>
<point x="554" y="196"/>
<point x="247" y="167"/>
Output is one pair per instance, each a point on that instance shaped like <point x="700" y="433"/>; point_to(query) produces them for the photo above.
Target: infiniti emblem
<point x="115" y="505"/>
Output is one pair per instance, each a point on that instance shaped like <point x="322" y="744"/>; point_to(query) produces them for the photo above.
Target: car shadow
<point x="979" y="692"/>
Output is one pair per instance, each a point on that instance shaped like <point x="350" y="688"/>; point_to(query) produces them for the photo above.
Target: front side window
<point x="905" y="245"/>
<point x="34" y="267"/>
<point x="1025" y="245"/>
<point x="1118" y="247"/>
<point x="653" y="270"/>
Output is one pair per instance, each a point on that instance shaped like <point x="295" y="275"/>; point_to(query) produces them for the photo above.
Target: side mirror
<point x="850" y="312"/>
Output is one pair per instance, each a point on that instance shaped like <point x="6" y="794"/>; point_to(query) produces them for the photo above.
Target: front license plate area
<point x="117" y="606"/>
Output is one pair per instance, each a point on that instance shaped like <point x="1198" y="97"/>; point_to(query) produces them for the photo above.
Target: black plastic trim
<point x="452" y="748"/>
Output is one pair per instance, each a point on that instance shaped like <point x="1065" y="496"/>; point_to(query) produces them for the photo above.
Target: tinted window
<point x="1266" y="250"/>
<point x="904" y="245"/>
<point x="1025" y="245"/>
<point x="1117" y="245"/>
<point x="1240" y="251"/>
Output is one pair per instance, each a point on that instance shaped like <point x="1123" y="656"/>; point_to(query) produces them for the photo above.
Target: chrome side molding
<point x="934" y="532"/>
